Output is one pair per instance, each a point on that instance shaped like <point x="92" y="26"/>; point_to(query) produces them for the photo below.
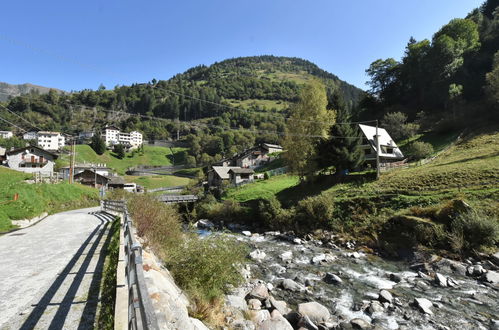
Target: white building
<point x="6" y="134"/>
<point x="30" y="135"/>
<point x="50" y="140"/>
<point x="389" y="151"/>
<point x="31" y="160"/>
<point x="112" y="136"/>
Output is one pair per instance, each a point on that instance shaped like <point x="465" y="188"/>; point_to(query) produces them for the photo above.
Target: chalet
<point x="91" y="178"/>
<point x="389" y="152"/>
<point x="31" y="160"/>
<point x="101" y="169"/>
<point x="219" y="174"/>
<point x="240" y="175"/>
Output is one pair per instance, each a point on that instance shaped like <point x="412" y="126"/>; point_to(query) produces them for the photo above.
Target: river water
<point x="470" y="304"/>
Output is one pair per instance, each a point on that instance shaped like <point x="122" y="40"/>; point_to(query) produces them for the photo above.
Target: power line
<point x="5" y="120"/>
<point x="12" y="112"/>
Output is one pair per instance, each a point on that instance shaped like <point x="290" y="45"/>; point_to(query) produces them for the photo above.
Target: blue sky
<point x="74" y="45"/>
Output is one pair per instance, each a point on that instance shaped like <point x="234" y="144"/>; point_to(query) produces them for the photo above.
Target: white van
<point x="131" y="187"/>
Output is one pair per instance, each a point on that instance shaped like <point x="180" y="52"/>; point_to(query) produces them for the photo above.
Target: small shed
<point x="240" y="175"/>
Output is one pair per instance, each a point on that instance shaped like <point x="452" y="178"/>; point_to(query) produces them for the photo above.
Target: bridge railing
<point x="141" y="314"/>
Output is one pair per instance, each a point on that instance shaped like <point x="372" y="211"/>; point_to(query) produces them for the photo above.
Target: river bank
<point x="317" y="284"/>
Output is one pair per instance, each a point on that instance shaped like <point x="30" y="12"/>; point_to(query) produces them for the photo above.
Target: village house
<point x="100" y="169"/>
<point x="6" y="134"/>
<point x="256" y="156"/>
<point x="217" y="175"/>
<point x="85" y="137"/>
<point x="31" y="160"/>
<point x="239" y="176"/>
<point x="112" y="136"/>
<point x="389" y="152"/>
<point x="91" y="178"/>
<point x="51" y="141"/>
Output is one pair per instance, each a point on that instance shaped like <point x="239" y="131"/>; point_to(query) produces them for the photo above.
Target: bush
<point x="474" y="231"/>
<point x="315" y="212"/>
<point x="419" y="150"/>
<point x="273" y="216"/>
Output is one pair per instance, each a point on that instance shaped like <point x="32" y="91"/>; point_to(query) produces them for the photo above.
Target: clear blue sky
<point x="73" y="45"/>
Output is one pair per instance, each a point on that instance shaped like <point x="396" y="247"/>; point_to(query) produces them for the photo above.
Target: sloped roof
<point x="384" y="140"/>
<point x="242" y="171"/>
<point x="92" y="173"/>
<point x="16" y="151"/>
<point x="223" y="171"/>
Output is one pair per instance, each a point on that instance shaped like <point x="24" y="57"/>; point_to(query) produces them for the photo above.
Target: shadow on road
<point x="91" y="303"/>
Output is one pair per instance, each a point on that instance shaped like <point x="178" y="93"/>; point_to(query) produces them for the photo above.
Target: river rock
<point x="297" y="241"/>
<point x="279" y="305"/>
<point x="306" y="323"/>
<point x="477" y="270"/>
<point x="242" y="325"/>
<point x="288" y="255"/>
<point x="491" y="277"/>
<point x="332" y="279"/>
<point x="424" y="305"/>
<point x="422" y="285"/>
<point x="359" y="323"/>
<point x="257" y="255"/>
<point x="246" y="233"/>
<point x="451" y="282"/>
<point x="236" y="302"/>
<point x="270" y="286"/>
<point x="494" y="324"/>
<point x="424" y="276"/>
<point x="318" y="259"/>
<point x="385" y="296"/>
<point x="260" y="292"/>
<point x="204" y="224"/>
<point x="495" y="258"/>
<point x="276" y="322"/>
<point x="278" y="269"/>
<point x="315" y="311"/>
<point x="440" y="280"/>
<point x="254" y="304"/>
<point x="258" y="317"/>
<point x="374" y="307"/>
<point x="395" y="278"/>
<point x="355" y="255"/>
<point x="290" y="285"/>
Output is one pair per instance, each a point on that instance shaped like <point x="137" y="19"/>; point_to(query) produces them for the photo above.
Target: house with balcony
<point x="112" y="136"/>
<point x="30" y="160"/>
<point x="389" y="151"/>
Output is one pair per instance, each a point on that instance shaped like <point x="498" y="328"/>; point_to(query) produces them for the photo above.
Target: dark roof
<point x="242" y="171"/>
<point x="92" y="173"/>
<point x="16" y="151"/>
<point x="116" y="180"/>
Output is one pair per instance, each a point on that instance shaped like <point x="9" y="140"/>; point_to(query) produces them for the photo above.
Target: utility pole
<point x="70" y="178"/>
<point x="377" y="152"/>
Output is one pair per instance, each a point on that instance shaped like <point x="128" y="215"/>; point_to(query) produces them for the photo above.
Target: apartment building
<point x="50" y="140"/>
<point x="112" y="135"/>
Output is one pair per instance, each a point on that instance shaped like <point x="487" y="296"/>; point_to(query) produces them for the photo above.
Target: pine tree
<point x="340" y="149"/>
<point x="98" y="144"/>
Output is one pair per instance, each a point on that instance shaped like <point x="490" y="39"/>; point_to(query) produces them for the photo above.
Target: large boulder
<point x="332" y="279"/>
<point x="491" y="277"/>
<point x="257" y="255"/>
<point x="276" y="322"/>
<point x="236" y="302"/>
<point x="424" y="305"/>
<point x="290" y="285"/>
<point x="315" y="312"/>
<point x="385" y="296"/>
<point x="258" y="317"/>
<point x="440" y="280"/>
<point x="259" y="292"/>
<point x="279" y="305"/>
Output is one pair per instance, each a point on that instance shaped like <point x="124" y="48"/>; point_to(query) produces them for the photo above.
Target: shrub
<point x="419" y="150"/>
<point x="273" y="216"/>
<point x="474" y="231"/>
<point x="314" y="212"/>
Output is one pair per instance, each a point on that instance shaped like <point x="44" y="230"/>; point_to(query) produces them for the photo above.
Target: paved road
<point x="50" y="273"/>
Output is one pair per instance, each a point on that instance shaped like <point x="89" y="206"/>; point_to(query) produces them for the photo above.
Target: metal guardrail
<point x="177" y="198"/>
<point x="141" y="314"/>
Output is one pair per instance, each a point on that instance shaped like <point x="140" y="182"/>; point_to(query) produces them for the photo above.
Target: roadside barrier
<point x="140" y="310"/>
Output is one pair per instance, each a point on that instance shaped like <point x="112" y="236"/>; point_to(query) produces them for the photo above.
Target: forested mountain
<point x="451" y="79"/>
<point x="10" y="90"/>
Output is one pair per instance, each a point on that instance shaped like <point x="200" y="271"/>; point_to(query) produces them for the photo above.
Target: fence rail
<point x="140" y="310"/>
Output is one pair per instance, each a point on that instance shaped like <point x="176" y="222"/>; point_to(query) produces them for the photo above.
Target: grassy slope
<point x="469" y="169"/>
<point x="35" y="199"/>
<point x="155" y="156"/>
<point x="157" y="181"/>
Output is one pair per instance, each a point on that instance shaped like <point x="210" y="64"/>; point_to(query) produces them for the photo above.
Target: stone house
<point x="31" y="160"/>
<point x="241" y="175"/>
<point x="219" y="174"/>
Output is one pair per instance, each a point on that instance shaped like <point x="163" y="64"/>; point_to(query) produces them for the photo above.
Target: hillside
<point x="34" y="199"/>
<point x="152" y="156"/>
<point x="10" y="90"/>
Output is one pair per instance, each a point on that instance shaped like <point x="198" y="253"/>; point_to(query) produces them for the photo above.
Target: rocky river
<point x="315" y="284"/>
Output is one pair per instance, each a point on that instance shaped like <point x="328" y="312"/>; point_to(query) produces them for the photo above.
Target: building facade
<point x="112" y="136"/>
<point x="389" y="151"/>
<point x="32" y="135"/>
<point x="50" y="140"/>
<point x="6" y="134"/>
<point x="31" y="160"/>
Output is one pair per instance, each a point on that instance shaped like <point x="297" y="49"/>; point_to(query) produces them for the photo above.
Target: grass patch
<point x="262" y="189"/>
<point x="34" y="199"/>
<point x="105" y="319"/>
<point x="154" y="156"/>
<point x="158" y="181"/>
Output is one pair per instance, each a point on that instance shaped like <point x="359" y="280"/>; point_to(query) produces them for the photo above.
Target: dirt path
<point x="50" y="273"/>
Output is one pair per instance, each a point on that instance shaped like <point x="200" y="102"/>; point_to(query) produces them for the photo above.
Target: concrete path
<point x="50" y="273"/>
